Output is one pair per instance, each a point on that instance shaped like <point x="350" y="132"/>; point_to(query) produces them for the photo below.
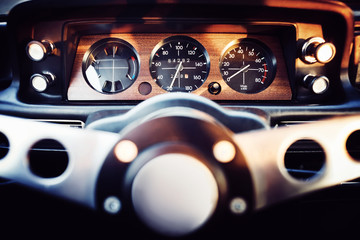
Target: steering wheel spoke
<point x="85" y="151"/>
<point x="265" y="153"/>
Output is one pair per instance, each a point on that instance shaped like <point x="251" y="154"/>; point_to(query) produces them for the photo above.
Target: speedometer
<point x="247" y="66"/>
<point x="179" y="64"/>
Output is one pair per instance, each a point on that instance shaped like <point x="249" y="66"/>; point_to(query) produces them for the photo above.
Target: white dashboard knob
<point x="317" y="50"/>
<point x="317" y="84"/>
<point x="325" y="52"/>
<point x="41" y="82"/>
<point x="38" y="51"/>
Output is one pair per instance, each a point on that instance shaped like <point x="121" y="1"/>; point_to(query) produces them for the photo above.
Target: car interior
<point x="179" y="119"/>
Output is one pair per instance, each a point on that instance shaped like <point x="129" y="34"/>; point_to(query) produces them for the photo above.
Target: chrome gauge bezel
<point x="101" y="45"/>
<point x="266" y="76"/>
<point x="168" y="81"/>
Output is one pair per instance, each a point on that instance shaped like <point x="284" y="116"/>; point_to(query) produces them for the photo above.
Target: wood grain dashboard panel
<point x="144" y="43"/>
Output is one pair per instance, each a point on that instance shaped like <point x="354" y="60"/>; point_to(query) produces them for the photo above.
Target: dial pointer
<point x="176" y="73"/>
<point x="240" y="71"/>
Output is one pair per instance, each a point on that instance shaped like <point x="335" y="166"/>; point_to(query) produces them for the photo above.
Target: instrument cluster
<point x="217" y="66"/>
<point x="103" y="58"/>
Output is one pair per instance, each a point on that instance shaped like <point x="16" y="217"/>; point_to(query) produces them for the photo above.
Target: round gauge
<point x="110" y="65"/>
<point x="179" y="64"/>
<point x="247" y="66"/>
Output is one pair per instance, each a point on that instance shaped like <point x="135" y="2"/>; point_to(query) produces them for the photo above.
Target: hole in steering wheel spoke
<point x="48" y="159"/>
<point x="353" y="145"/>
<point x="4" y="146"/>
<point x="304" y="159"/>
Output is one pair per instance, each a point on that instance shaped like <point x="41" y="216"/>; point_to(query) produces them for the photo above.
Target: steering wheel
<point x="178" y="165"/>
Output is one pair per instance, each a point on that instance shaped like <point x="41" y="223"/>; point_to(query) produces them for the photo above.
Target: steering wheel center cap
<point x="174" y="194"/>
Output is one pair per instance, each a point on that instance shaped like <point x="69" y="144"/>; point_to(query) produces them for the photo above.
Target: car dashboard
<point x="281" y="78"/>
<point x="286" y="62"/>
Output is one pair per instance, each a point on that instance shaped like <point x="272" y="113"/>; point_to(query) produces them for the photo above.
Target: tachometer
<point x="179" y="64"/>
<point x="247" y="66"/>
<point x="111" y="65"/>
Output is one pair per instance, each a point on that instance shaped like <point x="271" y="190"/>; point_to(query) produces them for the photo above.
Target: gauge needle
<point x="243" y="69"/>
<point x="179" y="68"/>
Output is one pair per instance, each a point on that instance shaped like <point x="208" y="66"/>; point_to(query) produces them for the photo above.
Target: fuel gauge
<point x="111" y="65"/>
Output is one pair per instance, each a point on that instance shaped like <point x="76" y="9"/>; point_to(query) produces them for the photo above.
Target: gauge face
<point x="248" y="66"/>
<point x="179" y="64"/>
<point x="111" y="65"/>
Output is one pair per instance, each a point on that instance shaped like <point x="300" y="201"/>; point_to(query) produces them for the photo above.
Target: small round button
<point x="214" y="88"/>
<point x="37" y="51"/>
<point x="40" y="82"/>
<point x="145" y="88"/>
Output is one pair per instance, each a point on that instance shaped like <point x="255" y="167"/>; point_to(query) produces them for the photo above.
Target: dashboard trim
<point x="214" y="42"/>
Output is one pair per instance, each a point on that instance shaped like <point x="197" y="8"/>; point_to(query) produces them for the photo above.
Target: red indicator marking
<point x="265" y="73"/>
<point x="132" y="58"/>
<point x="157" y="54"/>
